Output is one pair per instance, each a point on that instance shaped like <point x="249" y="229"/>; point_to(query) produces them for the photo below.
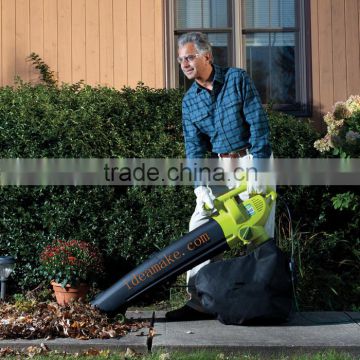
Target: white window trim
<point x="237" y="35"/>
<point x="170" y="69"/>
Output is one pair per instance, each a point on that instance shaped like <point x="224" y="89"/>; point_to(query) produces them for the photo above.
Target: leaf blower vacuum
<point x="234" y="222"/>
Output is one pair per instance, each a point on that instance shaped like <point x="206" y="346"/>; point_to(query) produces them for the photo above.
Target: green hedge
<point x="81" y="121"/>
<point x="128" y="223"/>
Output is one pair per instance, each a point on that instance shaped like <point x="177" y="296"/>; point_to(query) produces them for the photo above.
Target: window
<point x="265" y="37"/>
<point x="275" y="53"/>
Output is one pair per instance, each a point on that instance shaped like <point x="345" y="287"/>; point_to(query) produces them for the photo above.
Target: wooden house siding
<point x="107" y="42"/>
<point x="335" y="46"/>
<point x="121" y="42"/>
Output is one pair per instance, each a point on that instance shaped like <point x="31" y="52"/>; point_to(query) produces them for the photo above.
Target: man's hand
<point x="204" y="196"/>
<point x="254" y="187"/>
<point x="255" y="184"/>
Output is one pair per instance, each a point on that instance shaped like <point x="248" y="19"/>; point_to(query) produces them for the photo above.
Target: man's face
<point x="198" y="67"/>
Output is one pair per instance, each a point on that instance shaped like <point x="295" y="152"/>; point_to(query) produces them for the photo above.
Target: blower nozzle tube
<point x="192" y="249"/>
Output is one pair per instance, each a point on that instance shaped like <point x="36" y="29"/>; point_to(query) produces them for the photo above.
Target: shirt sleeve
<point x="196" y="145"/>
<point x="257" y="119"/>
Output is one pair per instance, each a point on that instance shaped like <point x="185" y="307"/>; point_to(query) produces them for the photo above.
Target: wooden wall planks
<point x="107" y="42"/>
<point x="335" y="46"/>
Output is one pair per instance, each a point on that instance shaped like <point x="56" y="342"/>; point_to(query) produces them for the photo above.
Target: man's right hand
<point x="204" y="196"/>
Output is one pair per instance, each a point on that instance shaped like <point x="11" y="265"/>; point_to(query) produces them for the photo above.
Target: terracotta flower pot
<point x="69" y="294"/>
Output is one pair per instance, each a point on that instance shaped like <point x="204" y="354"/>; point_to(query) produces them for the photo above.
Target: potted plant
<point x="70" y="265"/>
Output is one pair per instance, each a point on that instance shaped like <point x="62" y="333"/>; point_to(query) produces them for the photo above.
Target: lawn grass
<point x="196" y="355"/>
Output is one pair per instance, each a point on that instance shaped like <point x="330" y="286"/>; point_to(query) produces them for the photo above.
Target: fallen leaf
<point x="131" y="354"/>
<point x="165" y="356"/>
<point x="92" y="352"/>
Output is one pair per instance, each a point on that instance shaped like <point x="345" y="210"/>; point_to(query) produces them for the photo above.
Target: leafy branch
<point x="47" y="75"/>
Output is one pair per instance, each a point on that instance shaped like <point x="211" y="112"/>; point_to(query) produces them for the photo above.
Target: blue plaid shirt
<point x="228" y="118"/>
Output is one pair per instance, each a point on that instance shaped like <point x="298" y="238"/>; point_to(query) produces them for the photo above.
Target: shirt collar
<point x="218" y="77"/>
<point x="219" y="74"/>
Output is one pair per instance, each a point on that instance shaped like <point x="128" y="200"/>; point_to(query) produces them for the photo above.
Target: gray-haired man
<point x="222" y="113"/>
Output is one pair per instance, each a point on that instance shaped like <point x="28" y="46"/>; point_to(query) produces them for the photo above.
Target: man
<point x="222" y="113"/>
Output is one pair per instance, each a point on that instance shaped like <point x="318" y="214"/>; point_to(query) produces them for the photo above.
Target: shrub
<point x="291" y="137"/>
<point x="338" y="240"/>
<point x="72" y="121"/>
<point x="343" y="129"/>
<point x="325" y="222"/>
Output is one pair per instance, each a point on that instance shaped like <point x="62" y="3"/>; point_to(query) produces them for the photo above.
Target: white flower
<point x="329" y="118"/>
<point x="335" y="127"/>
<point x="323" y="145"/>
<point x="353" y="103"/>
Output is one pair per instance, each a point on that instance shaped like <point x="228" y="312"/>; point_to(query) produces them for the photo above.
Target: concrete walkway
<point x="307" y="332"/>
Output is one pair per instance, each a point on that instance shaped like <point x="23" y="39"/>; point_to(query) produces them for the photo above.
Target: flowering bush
<point x="71" y="262"/>
<point x="343" y="129"/>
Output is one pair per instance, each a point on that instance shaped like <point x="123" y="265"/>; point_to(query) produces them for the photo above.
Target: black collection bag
<point x="251" y="289"/>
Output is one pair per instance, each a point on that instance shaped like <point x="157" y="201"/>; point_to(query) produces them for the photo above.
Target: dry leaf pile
<point x="49" y="320"/>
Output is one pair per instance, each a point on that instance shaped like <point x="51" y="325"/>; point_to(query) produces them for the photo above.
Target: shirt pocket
<point x="199" y="117"/>
<point x="230" y="106"/>
<point x="204" y="121"/>
<point x="231" y="118"/>
<point x="230" y="110"/>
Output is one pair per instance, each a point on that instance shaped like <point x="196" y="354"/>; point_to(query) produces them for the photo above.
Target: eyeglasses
<point x="188" y="58"/>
